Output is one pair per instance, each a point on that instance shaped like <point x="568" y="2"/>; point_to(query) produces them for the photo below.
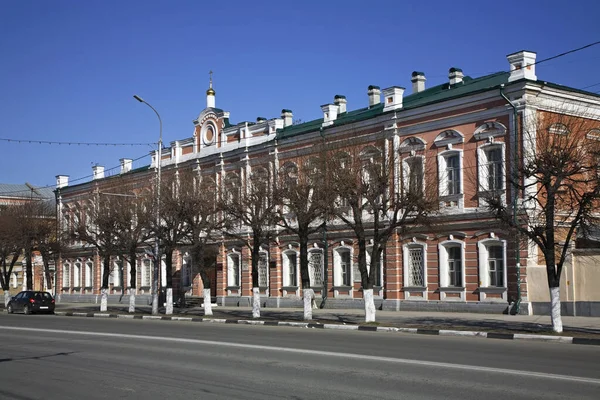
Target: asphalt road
<point x="53" y="357"/>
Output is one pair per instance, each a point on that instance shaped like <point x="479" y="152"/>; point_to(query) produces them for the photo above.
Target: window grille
<point x="416" y="267"/>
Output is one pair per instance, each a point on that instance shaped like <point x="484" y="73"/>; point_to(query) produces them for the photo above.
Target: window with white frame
<point x="117" y="272"/>
<point x="414" y="262"/>
<point x="452" y="264"/>
<point x="290" y="268"/>
<point x="413" y="175"/>
<point x="77" y="274"/>
<point x="315" y="267"/>
<point x="66" y="278"/>
<point x="111" y="276"/>
<point x="89" y="274"/>
<point x="450" y="173"/>
<point x="491" y="167"/>
<point x="263" y="269"/>
<point x="233" y="269"/>
<point x="126" y="274"/>
<point x="163" y="271"/>
<point x="492" y="263"/>
<point x="186" y="270"/>
<point x="342" y="267"/>
<point x="146" y="273"/>
<point x="379" y="272"/>
<point x="14" y="279"/>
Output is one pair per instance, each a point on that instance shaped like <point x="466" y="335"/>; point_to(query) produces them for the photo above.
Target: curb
<point x="418" y="331"/>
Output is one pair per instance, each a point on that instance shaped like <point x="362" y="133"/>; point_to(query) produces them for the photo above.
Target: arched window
<point x="342" y="266"/>
<point x="263" y="269"/>
<point x="66" y="275"/>
<point x="89" y="274"/>
<point x="413" y="175"/>
<point x="146" y="273"/>
<point x="233" y="187"/>
<point x="290" y="174"/>
<point x="491" y="171"/>
<point x="414" y="257"/>
<point x="234" y="269"/>
<point x="452" y="269"/>
<point x="77" y="274"/>
<point x="315" y="267"/>
<point x="290" y="268"/>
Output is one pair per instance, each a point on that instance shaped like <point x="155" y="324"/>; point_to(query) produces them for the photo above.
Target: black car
<point x="30" y="301"/>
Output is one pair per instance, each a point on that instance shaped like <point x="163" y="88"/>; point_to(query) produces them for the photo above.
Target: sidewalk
<point x="584" y="327"/>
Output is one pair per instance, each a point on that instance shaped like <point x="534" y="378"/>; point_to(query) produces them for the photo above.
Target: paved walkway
<point x="574" y="326"/>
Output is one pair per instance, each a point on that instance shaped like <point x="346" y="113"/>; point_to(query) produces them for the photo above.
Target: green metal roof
<point x="432" y="95"/>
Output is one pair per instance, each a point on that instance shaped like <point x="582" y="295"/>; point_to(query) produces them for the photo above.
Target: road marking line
<point x="406" y="361"/>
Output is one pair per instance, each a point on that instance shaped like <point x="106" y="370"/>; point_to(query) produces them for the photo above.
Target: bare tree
<point x="99" y="229"/>
<point x="374" y="206"/>
<point x="172" y="230"/>
<point x="558" y="179"/>
<point x="198" y="200"/>
<point x="10" y="248"/>
<point x="306" y="202"/>
<point x="134" y="213"/>
<point x="250" y="215"/>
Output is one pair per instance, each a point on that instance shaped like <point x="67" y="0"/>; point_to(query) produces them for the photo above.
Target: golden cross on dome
<point x="210" y="73"/>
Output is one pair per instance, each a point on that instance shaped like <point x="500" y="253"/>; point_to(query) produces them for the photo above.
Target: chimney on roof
<point x="288" y="117"/>
<point x="374" y="95"/>
<point x="62" y="181"/>
<point x="455" y="75"/>
<point x="418" y="81"/>
<point x="330" y="112"/>
<point x="126" y="164"/>
<point x="340" y="101"/>
<point x="522" y="65"/>
<point x="98" y="172"/>
<point x="392" y="98"/>
<point x="260" y="119"/>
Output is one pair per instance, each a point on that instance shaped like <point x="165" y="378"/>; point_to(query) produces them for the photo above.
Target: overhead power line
<point x="33" y="141"/>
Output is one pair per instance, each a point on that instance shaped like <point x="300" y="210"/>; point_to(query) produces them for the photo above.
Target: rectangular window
<point x="234" y="270"/>
<point x="345" y="267"/>
<point x="416" y="267"/>
<point x="292" y="269"/>
<point x="454" y="266"/>
<point x="494" y="169"/>
<point x="496" y="265"/>
<point x="89" y="274"/>
<point x="146" y="273"/>
<point x="263" y="264"/>
<point x="315" y="268"/>
<point x="67" y="276"/>
<point x="415" y="175"/>
<point x="453" y="174"/>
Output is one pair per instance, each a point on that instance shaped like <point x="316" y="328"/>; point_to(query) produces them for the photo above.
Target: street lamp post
<point x="156" y="240"/>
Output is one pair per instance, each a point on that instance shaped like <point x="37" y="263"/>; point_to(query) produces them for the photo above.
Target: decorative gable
<point x="449" y="136"/>
<point x="412" y="144"/>
<point x="489" y="129"/>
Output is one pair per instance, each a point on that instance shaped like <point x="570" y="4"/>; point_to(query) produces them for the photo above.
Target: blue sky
<point x="69" y="68"/>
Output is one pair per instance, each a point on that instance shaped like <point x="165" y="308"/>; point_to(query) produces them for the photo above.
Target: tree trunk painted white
<point x="169" y="306"/>
<point x="155" y="303"/>
<point x="557" y="325"/>
<point x="255" y="302"/>
<point x="308" y="296"/>
<point x="369" y="305"/>
<point x="131" y="300"/>
<point x="104" y="300"/>
<point x="6" y="297"/>
<point x="207" y="305"/>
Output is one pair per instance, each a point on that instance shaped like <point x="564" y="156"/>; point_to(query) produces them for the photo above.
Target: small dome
<point x="210" y="92"/>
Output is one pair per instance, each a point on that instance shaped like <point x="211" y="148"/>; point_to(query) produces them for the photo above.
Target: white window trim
<point x="146" y="272"/>
<point x="13" y="278"/>
<point x="89" y="274"/>
<point x="67" y="268"/>
<point x="285" y="268"/>
<point x="409" y="290"/>
<point x="310" y="270"/>
<point x="484" y="279"/>
<point x="482" y="162"/>
<point x="406" y="172"/>
<point x="443" y="179"/>
<point x="443" y="262"/>
<point x="266" y="254"/>
<point x="77" y="273"/>
<point x="337" y="270"/>
<point x="230" y="275"/>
